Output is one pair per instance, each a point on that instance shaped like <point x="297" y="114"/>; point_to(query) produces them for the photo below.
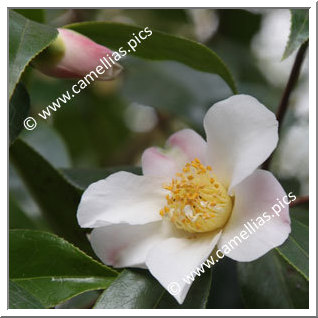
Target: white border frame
<point x="312" y="160"/>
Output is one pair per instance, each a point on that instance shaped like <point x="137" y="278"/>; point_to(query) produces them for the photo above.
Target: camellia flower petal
<point x="123" y="197"/>
<point x="191" y="143"/>
<point x="175" y="257"/>
<point x="126" y="245"/>
<point x="73" y="55"/>
<point x="241" y="134"/>
<point x="184" y="146"/>
<point x="194" y="196"/>
<point x="253" y="196"/>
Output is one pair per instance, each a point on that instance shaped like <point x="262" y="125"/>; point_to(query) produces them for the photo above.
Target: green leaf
<point x="23" y="199"/>
<point x="82" y="301"/>
<point x="301" y="213"/>
<point x="139" y="289"/>
<point x="19" y="298"/>
<point x="37" y="15"/>
<point x="197" y="296"/>
<point x="158" y="46"/>
<point x="18" y="218"/>
<point x="269" y="282"/>
<point x="26" y="40"/>
<point x="55" y="151"/>
<point x="83" y="177"/>
<point x="296" y="249"/>
<point x="57" y="198"/>
<point x="225" y="278"/>
<point x="51" y="269"/>
<point x="56" y="154"/>
<point x="132" y="289"/>
<point x="19" y="107"/>
<point x="299" y="30"/>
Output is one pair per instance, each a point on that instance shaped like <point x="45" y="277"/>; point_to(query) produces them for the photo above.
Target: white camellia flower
<point x="193" y="196"/>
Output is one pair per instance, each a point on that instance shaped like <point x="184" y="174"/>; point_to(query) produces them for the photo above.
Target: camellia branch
<point x="284" y="102"/>
<point x="283" y="105"/>
<point x="300" y="200"/>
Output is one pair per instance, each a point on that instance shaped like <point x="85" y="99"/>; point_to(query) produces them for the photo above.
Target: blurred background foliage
<point x="110" y="123"/>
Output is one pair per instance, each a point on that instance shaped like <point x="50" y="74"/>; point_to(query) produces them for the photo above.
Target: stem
<point x="300" y="200"/>
<point x="294" y="74"/>
<point x="284" y="102"/>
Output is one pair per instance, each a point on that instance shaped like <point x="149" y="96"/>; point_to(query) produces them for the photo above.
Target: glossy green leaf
<point x="158" y="46"/>
<point x="37" y="15"/>
<point x="26" y="39"/>
<point x="132" y="289"/>
<point x="165" y="20"/>
<point x="296" y="249"/>
<point x="19" y="107"/>
<point x="83" y="177"/>
<point x="299" y="30"/>
<point x="301" y="213"/>
<point x="18" y="218"/>
<point x="51" y="269"/>
<point x="139" y="289"/>
<point x="19" y="298"/>
<point x="49" y="144"/>
<point x="197" y="296"/>
<point x="57" y="198"/>
<point x="225" y="278"/>
<point x="270" y="282"/>
<point x="82" y="301"/>
<point x="23" y="199"/>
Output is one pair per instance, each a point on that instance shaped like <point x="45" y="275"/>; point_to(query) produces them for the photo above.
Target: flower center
<point x="197" y="202"/>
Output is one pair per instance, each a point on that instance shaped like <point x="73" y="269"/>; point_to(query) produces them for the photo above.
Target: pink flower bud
<point x="73" y="55"/>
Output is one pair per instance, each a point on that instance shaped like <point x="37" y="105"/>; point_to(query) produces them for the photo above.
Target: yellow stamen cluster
<point x="197" y="202"/>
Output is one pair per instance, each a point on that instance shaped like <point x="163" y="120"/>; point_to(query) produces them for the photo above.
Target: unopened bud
<point x="73" y="55"/>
